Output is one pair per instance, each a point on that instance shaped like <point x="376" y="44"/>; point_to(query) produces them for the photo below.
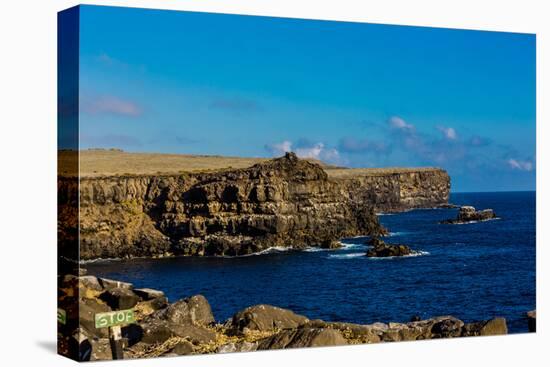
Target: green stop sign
<point x="114" y="318"/>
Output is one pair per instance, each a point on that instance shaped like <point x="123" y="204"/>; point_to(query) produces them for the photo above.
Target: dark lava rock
<point x="90" y="282"/>
<point x="191" y="310"/>
<point x="331" y="244"/>
<point x="266" y="318"/>
<point x="120" y="298"/>
<point x="88" y="307"/>
<point x="183" y="348"/>
<point x="146" y="308"/>
<point x="110" y="284"/>
<point x="301" y="338"/>
<point x="382" y="249"/>
<point x="468" y="214"/>
<point x="532" y="321"/>
<point x="158" y="331"/>
<point x="496" y="326"/>
<point x="147" y="293"/>
<point x="447" y="328"/>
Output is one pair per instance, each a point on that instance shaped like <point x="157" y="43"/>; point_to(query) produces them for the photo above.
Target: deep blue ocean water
<point x="472" y="271"/>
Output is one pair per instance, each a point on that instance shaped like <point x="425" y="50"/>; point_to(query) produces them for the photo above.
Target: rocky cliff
<point x="395" y="191"/>
<point x="282" y="202"/>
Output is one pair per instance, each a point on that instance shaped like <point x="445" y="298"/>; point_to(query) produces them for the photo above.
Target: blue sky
<point x="352" y="94"/>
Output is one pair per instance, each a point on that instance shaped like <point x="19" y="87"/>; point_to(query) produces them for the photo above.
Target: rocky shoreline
<point x="187" y="326"/>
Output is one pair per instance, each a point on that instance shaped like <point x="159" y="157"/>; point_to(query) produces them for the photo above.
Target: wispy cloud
<point x="449" y="133"/>
<point x="354" y="146"/>
<point x="396" y="122"/>
<point x="520" y="165"/>
<point x="425" y="148"/>
<point x="111" y="105"/>
<point x="278" y="149"/>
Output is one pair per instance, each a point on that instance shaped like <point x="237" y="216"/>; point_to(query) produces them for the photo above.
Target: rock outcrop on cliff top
<point x="188" y="326"/>
<point x="282" y="202"/>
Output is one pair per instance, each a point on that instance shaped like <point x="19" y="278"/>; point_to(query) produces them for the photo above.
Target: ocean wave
<point x="349" y="246"/>
<point x="346" y="256"/>
<point x="414" y="254"/>
<point x="107" y="259"/>
<point x="476" y="221"/>
<point x="344" y="246"/>
<point x="316" y="249"/>
<point x="393" y="234"/>
<point x="269" y="250"/>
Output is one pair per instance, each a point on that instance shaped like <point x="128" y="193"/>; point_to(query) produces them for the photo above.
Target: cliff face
<point x="399" y="191"/>
<point x="283" y="202"/>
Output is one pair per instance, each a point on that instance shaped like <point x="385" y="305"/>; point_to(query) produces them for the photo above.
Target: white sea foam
<point x="476" y="221"/>
<point x="348" y="246"/>
<point x="346" y="256"/>
<point x="316" y="249"/>
<point x="269" y="250"/>
<point x="393" y="234"/>
<point x="414" y="254"/>
<point x="108" y="259"/>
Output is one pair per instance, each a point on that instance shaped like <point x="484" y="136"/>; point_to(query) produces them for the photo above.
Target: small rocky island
<point x="469" y="214"/>
<point x="187" y="326"/>
<point x="381" y="249"/>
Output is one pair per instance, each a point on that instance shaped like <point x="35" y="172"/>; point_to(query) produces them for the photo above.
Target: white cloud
<point x="400" y="124"/>
<point x="520" y="165"/>
<point x="279" y="149"/>
<point x="448" y="132"/>
<point x="306" y="150"/>
<point x="313" y="151"/>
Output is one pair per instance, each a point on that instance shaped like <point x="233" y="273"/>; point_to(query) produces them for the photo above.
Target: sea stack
<point x="469" y="214"/>
<point x="382" y="249"/>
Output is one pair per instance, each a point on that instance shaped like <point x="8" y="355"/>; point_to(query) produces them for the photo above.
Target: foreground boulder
<point x="302" y="338"/>
<point x="469" y="214"/>
<point x="495" y="326"/>
<point x="120" y="298"/>
<point x="382" y="249"/>
<point x="266" y="318"/>
<point x="192" y="310"/>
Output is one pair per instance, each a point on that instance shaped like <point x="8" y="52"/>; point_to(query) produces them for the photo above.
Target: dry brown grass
<point x="355" y="172"/>
<point x="100" y="162"/>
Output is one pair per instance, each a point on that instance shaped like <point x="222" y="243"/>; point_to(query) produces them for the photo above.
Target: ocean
<point x="473" y="271"/>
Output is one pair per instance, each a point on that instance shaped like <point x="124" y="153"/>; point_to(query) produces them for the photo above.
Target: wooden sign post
<point x="113" y="320"/>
